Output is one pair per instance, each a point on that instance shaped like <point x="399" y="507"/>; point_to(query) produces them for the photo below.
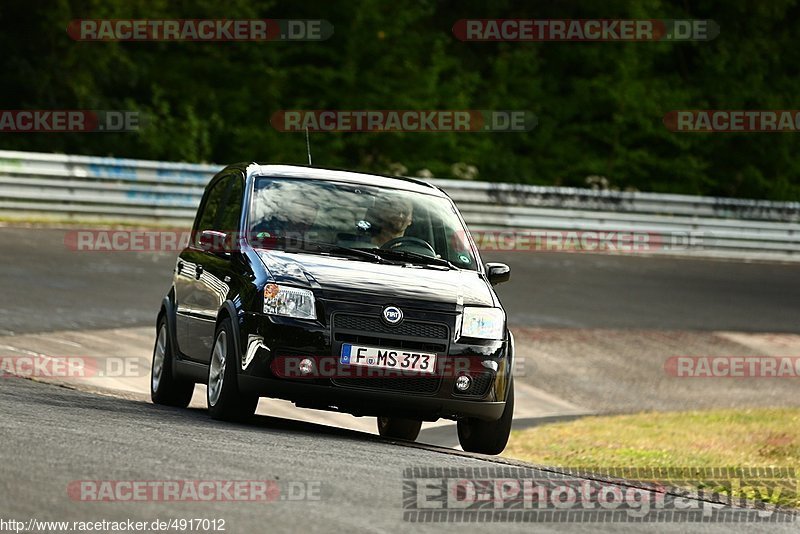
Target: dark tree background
<point x="599" y="105"/>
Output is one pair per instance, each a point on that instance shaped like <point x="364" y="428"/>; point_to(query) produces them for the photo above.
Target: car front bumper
<point x="268" y="342"/>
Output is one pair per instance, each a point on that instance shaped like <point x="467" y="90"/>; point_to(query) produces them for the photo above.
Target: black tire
<point x="399" y="428"/>
<point x="227" y="404"/>
<point x="487" y="437"/>
<point x="165" y="389"/>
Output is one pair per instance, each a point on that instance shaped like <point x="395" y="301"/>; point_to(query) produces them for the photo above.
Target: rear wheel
<point x="225" y="401"/>
<point x="487" y="437"/>
<point x="399" y="428"/>
<point x="164" y="387"/>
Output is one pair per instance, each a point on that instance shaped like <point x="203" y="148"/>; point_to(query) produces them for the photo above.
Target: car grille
<point x="420" y="385"/>
<point x="373" y="325"/>
<point x="409" y="335"/>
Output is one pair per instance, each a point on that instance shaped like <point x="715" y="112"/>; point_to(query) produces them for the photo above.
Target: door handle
<point x="198" y="271"/>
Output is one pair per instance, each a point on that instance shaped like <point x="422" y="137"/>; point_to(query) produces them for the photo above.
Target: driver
<point x="389" y="217"/>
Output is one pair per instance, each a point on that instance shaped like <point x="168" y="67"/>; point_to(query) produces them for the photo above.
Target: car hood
<point x="350" y="279"/>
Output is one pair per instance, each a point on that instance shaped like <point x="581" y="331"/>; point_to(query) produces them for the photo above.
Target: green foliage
<point x="599" y="105"/>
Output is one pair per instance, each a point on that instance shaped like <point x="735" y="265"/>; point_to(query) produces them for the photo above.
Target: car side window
<point x="211" y="208"/>
<point x="230" y="211"/>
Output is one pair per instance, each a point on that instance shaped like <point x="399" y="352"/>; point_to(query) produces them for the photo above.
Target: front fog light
<point x="463" y="383"/>
<point x="306" y="366"/>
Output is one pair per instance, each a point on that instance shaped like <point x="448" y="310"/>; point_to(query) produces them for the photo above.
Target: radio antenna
<point x="308" y="147"/>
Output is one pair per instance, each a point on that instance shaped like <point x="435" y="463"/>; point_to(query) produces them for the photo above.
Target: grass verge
<point x="732" y="439"/>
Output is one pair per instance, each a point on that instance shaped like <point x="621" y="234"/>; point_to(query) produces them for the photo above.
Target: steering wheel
<point x="411" y="242"/>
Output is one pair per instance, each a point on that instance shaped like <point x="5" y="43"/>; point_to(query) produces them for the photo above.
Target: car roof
<point x="340" y="175"/>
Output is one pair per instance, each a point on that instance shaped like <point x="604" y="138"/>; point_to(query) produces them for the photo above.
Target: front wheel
<point x="399" y="428"/>
<point x="225" y="401"/>
<point x="487" y="437"/>
<point x="164" y="387"/>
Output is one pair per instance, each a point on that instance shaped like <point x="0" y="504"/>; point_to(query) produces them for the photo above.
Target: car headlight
<point x="483" y="323"/>
<point x="289" y="302"/>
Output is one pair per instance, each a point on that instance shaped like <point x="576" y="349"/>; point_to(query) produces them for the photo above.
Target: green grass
<point x="768" y="437"/>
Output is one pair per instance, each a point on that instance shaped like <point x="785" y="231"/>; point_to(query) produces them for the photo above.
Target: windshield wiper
<point x="300" y="245"/>
<point x="376" y="255"/>
<point x="416" y="257"/>
<point x="336" y="250"/>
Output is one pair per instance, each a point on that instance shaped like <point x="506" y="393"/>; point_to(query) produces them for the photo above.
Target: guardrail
<point x="59" y="187"/>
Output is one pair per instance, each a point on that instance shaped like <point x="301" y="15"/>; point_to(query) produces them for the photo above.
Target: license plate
<point x="404" y="360"/>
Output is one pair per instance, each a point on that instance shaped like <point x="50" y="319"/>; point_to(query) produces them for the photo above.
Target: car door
<point x="215" y="280"/>
<point x="195" y="318"/>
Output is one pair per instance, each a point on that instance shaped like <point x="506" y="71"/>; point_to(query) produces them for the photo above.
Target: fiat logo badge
<point x="392" y="315"/>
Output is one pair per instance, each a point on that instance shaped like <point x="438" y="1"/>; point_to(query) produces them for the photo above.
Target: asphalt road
<point x="54" y="436"/>
<point x="638" y="292"/>
<point x="46" y="287"/>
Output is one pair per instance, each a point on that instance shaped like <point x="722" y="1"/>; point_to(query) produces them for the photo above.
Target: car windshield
<point x="324" y="216"/>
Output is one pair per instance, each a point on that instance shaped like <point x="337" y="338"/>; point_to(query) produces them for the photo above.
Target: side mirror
<point x="498" y="273"/>
<point x="214" y="242"/>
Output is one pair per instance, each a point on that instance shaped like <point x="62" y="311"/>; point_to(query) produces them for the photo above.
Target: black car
<point x="337" y="290"/>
